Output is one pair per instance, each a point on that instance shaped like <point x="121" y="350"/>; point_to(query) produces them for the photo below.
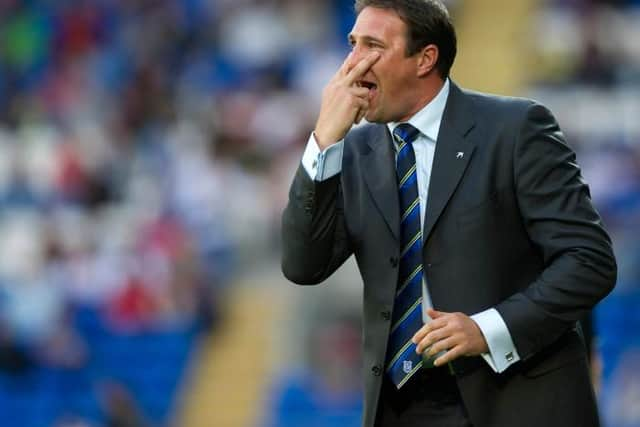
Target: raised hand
<point x="344" y="102"/>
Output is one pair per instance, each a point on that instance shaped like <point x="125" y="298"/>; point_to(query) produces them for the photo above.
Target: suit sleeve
<point x="314" y="237"/>
<point x="559" y="217"/>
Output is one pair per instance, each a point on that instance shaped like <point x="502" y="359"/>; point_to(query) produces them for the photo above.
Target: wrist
<point x="323" y="143"/>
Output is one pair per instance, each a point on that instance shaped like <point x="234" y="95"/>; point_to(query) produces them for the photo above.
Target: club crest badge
<point x="407" y="366"/>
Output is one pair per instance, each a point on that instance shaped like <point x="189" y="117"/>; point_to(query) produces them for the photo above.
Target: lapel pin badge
<point x="459" y="155"/>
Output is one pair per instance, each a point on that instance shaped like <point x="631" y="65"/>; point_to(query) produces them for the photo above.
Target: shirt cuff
<point x="502" y="351"/>
<point x="322" y="165"/>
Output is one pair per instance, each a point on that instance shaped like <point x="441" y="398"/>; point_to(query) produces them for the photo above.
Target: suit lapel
<point x="454" y="150"/>
<point x="380" y="177"/>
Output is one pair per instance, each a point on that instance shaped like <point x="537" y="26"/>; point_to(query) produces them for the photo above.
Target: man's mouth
<point x="369" y="85"/>
<point x="373" y="88"/>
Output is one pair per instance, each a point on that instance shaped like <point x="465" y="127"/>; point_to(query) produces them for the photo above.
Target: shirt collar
<point x="427" y="120"/>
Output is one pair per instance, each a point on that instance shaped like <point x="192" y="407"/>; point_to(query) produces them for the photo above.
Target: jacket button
<point x="386" y="315"/>
<point x="376" y="370"/>
<point x="393" y="261"/>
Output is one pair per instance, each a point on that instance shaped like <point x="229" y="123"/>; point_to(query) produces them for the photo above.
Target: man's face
<point x="392" y="78"/>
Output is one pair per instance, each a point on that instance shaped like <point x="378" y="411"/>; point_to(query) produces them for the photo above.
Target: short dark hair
<point x="428" y="22"/>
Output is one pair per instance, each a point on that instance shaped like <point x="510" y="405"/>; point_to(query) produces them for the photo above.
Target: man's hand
<point x="455" y="333"/>
<point x="343" y="101"/>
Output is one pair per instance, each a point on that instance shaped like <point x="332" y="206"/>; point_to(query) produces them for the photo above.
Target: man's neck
<point x="427" y="91"/>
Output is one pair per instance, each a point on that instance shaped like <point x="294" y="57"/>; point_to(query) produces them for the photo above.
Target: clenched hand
<point x="455" y="333"/>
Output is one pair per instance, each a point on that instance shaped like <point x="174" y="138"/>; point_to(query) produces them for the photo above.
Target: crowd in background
<point x="146" y="147"/>
<point x="588" y="60"/>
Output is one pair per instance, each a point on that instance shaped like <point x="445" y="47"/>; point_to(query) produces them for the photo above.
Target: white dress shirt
<point x="322" y="165"/>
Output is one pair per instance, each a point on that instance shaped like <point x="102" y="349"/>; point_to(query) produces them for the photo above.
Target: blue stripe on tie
<point x="406" y="353"/>
<point x="413" y="249"/>
<point x="403" y="152"/>
<point x="407" y="266"/>
<point x="410" y="326"/>
<point x="406" y="269"/>
<point x="406" y="132"/>
<point x="405" y="178"/>
<point x="404" y="303"/>
<point x="411" y="221"/>
<point x="410" y="182"/>
<point x="413" y="214"/>
<point x="405" y="158"/>
<point x="405" y="288"/>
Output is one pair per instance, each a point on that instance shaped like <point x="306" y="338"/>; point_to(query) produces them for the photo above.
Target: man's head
<point x="428" y="22"/>
<point x="417" y="46"/>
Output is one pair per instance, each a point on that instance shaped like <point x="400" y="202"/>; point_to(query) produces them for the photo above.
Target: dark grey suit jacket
<point x="509" y="224"/>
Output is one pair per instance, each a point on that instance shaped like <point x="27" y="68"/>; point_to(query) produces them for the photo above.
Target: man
<point x="471" y="225"/>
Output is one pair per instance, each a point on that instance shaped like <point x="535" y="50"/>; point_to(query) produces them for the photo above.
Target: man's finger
<point x="362" y="67"/>
<point x="363" y="107"/>
<point x="431" y="326"/>
<point x="422" y="332"/>
<point x="432" y="338"/>
<point x="360" y="92"/>
<point x="435" y="314"/>
<point x="361" y="114"/>
<point x="361" y="103"/>
<point x="449" y="356"/>
<point x="441" y="345"/>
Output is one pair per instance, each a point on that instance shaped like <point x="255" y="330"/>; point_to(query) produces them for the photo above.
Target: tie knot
<point x="405" y="132"/>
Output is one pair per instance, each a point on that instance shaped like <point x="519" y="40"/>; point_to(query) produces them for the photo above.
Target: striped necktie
<point x="402" y="360"/>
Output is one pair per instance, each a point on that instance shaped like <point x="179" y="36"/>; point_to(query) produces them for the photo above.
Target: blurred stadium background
<point x="146" y="147"/>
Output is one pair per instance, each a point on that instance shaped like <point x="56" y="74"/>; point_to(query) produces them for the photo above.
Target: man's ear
<point x="427" y="59"/>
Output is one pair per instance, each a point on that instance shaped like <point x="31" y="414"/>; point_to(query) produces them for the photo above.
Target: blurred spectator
<point x="120" y="407"/>
<point x="590" y="72"/>
<point x="327" y="391"/>
<point x="13" y="359"/>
